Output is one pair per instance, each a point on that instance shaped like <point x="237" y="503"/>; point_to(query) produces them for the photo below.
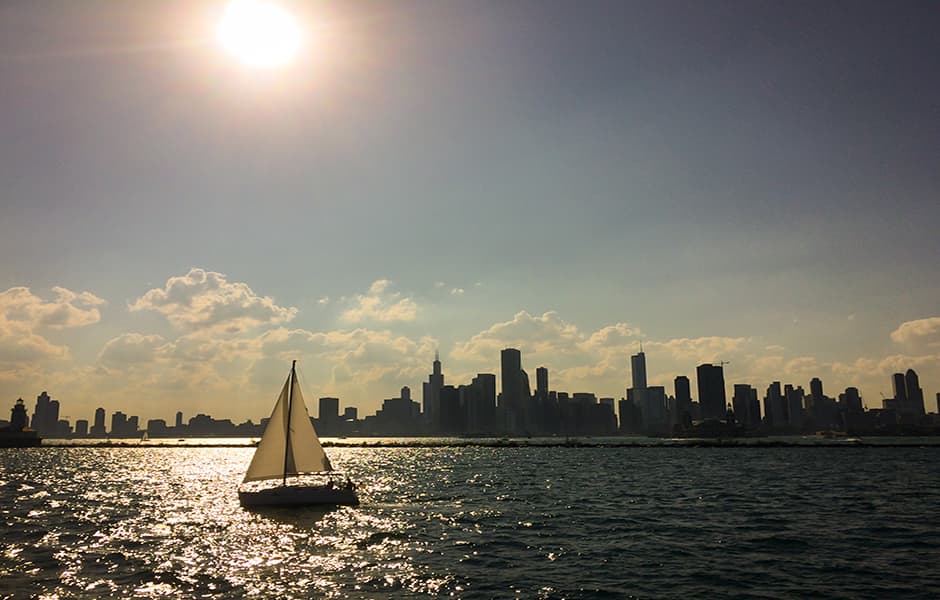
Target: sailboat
<point x="289" y="447"/>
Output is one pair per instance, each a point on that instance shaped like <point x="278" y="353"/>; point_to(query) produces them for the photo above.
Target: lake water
<point x="479" y="522"/>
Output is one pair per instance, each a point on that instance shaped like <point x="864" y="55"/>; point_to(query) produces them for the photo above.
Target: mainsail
<point x="289" y="445"/>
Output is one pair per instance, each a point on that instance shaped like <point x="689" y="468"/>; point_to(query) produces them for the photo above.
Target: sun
<point x="259" y="33"/>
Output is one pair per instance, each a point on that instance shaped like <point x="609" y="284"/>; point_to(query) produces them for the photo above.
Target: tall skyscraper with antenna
<point x="431" y="395"/>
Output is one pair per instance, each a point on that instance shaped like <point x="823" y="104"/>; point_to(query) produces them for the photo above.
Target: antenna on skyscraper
<point x="437" y="355"/>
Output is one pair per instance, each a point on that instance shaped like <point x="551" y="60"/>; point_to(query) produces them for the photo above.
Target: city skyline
<point x="753" y="183"/>
<point x="478" y="407"/>
<point x="600" y="359"/>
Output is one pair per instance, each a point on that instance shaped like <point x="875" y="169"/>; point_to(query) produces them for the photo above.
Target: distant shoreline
<point x="529" y="443"/>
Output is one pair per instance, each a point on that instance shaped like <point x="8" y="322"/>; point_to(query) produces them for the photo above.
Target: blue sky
<point x="747" y="181"/>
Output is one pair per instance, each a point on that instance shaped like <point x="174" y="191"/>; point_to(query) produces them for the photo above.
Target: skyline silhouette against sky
<point x="749" y="182"/>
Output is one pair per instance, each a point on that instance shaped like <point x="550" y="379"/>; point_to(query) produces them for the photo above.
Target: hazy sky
<point x="755" y="182"/>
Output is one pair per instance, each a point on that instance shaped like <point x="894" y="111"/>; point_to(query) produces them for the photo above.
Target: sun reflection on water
<point x="468" y="522"/>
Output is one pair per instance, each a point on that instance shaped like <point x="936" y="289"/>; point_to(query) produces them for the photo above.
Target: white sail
<point x="276" y="455"/>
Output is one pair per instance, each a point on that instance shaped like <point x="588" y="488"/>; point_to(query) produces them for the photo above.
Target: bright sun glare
<point x="259" y="33"/>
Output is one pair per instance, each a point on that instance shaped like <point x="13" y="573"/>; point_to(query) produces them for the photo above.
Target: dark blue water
<point x="479" y="522"/>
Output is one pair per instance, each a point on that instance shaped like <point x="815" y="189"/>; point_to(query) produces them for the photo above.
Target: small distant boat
<point x="290" y="447"/>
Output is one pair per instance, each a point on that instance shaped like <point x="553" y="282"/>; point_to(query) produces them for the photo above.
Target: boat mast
<point x="290" y="402"/>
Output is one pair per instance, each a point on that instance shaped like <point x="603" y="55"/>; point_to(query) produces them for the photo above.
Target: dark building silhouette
<point x="45" y="419"/>
<point x="650" y="401"/>
<point x="745" y="405"/>
<point x="481" y="407"/>
<point x="514" y="398"/>
<point x="452" y="419"/>
<point x="638" y="370"/>
<point x="711" y="391"/>
<point x="908" y="401"/>
<point x="775" y="410"/>
<point x="431" y="395"/>
<point x="81" y="428"/>
<point x="179" y="419"/>
<point x="683" y="395"/>
<point x="98" y="430"/>
<point x="18" y="418"/>
<point x="118" y="424"/>
<point x="850" y="400"/>
<point x="915" y="394"/>
<point x="794" y="405"/>
<point x="328" y="421"/>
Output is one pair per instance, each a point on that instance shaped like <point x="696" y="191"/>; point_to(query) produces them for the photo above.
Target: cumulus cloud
<point x="206" y="301"/>
<point x="130" y="349"/>
<point x="619" y="336"/>
<point x="919" y="330"/>
<point x="380" y="304"/>
<point x="20" y="309"/>
<point x="701" y="349"/>
<point x="457" y="292"/>
<point x="532" y="334"/>
<point x="22" y="313"/>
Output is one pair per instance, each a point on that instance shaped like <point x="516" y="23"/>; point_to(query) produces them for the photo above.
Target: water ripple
<point x="478" y="522"/>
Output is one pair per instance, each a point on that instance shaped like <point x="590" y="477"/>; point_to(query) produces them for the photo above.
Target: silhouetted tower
<point x="852" y="400"/>
<point x="541" y="383"/>
<point x="431" y="395"/>
<point x="900" y="389"/>
<point x="775" y="409"/>
<point x="45" y="415"/>
<point x="97" y="430"/>
<point x="683" y="393"/>
<point x="794" y="403"/>
<point x="515" y="389"/>
<point x="179" y="418"/>
<point x="915" y="395"/>
<point x="638" y="370"/>
<point x="328" y="412"/>
<point x="741" y="404"/>
<point x="711" y="391"/>
<point x="18" y="418"/>
<point x="816" y="388"/>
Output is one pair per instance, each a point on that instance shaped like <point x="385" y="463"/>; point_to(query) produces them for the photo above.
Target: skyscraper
<point x="900" y="389"/>
<point x="683" y="392"/>
<point x="431" y="395"/>
<point x="711" y="391"/>
<point x="775" y="410"/>
<point x="541" y="383"/>
<point x="515" y="393"/>
<point x="97" y="430"/>
<point x="915" y="394"/>
<point x="741" y="404"/>
<point x="638" y="370"/>
<point x="328" y="411"/>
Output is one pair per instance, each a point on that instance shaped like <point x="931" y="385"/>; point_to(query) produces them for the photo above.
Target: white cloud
<point x="205" y="300"/>
<point x="545" y="334"/>
<point x="702" y="349"/>
<point x="380" y="304"/>
<point x="131" y="348"/>
<point x="919" y="330"/>
<point x="457" y="292"/>
<point x="324" y="300"/>
<point x="22" y="313"/>
<point x="22" y="310"/>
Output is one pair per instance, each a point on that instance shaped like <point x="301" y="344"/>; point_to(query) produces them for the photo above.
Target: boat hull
<point x="299" y="495"/>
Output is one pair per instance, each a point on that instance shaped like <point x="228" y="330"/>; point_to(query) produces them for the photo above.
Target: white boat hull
<point x="299" y="495"/>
